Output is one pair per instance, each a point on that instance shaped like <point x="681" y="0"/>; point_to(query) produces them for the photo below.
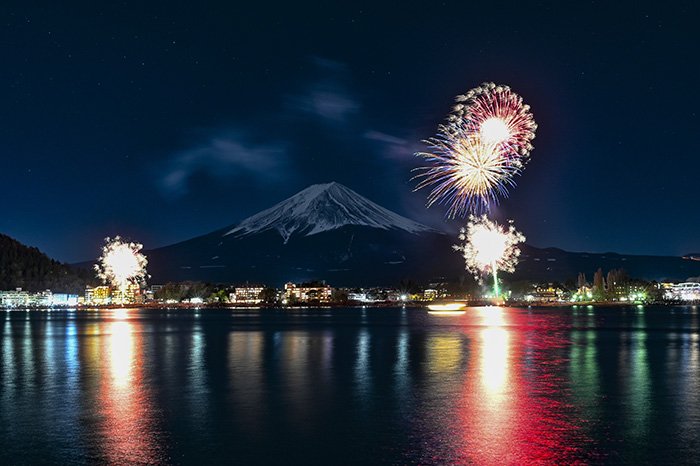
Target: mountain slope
<point x="30" y="269"/>
<point x="553" y="264"/>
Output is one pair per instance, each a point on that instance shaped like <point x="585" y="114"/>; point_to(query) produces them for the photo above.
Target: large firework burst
<point x="474" y="157"/>
<point x="121" y="264"/>
<point x="499" y="115"/>
<point x="466" y="173"/>
<point x="488" y="247"/>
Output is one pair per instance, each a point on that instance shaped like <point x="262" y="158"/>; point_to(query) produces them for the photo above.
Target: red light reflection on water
<point x="514" y="406"/>
<point x="129" y="433"/>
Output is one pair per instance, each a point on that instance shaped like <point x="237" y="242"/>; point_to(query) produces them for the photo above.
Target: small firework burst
<point x="488" y="247"/>
<point x="121" y="264"/>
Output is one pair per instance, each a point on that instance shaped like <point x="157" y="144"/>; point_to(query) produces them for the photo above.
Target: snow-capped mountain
<point x="324" y="207"/>
<point x="329" y="232"/>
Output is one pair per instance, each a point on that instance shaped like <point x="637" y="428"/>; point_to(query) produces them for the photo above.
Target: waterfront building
<point x="15" y="298"/>
<point x="438" y="288"/>
<point x="305" y="292"/>
<point x="150" y="293"/>
<point x="20" y="298"/>
<point x="99" y="295"/>
<point x="104" y="295"/>
<point x="132" y="295"/>
<point x="688" y="291"/>
<point x="64" y="300"/>
<point x="374" y="295"/>
<point x="430" y="294"/>
<point x="359" y="296"/>
<point x="248" y="294"/>
<point x="550" y="293"/>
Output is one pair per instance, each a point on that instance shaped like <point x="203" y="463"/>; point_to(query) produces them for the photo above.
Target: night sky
<point x="166" y="121"/>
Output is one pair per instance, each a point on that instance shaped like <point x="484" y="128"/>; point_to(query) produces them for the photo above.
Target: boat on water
<point x="447" y="309"/>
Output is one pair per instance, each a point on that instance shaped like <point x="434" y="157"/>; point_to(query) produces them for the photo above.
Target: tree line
<point x="28" y="268"/>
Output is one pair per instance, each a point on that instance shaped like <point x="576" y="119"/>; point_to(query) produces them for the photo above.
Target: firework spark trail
<point x="121" y="264"/>
<point x="488" y="247"/>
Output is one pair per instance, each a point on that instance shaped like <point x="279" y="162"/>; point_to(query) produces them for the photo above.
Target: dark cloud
<point x="385" y="138"/>
<point x="328" y="104"/>
<point x="231" y="154"/>
<point x="395" y="148"/>
<point x="227" y="157"/>
<point x="327" y="96"/>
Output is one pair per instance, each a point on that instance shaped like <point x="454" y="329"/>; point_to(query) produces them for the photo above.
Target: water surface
<point x="350" y="386"/>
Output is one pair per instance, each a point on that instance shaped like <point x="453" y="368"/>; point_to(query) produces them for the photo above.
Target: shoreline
<point x="376" y="305"/>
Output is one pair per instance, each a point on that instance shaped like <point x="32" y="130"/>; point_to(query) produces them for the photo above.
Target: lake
<point x="350" y="386"/>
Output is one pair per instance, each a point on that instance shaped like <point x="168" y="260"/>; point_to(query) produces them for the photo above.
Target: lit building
<point x="374" y="295"/>
<point x="15" y="298"/>
<point x="98" y="295"/>
<point x="430" y="294"/>
<point x="438" y="288"/>
<point x="688" y="291"/>
<point x="305" y="292"/>
<point x="21" y="298"/>
<point x="132" y="295"/>
<point x="249" y="294"/>
<point x="548" y="293"/>
<point x="103" y="295"/>
<point x="359" y="296"/>
<point x="64" y="299"/>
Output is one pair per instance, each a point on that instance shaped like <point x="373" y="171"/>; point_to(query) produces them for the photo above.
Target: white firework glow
<point x="121" y="264"/>
<point x="465" y="172"/>
<point x="494" y="131"/>
<point x="488" y="247"/>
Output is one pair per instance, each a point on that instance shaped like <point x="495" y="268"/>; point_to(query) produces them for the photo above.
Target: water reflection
<point x="8" y="357"/>
<point x="513" y="407"/>
<point x="401" y="368"/>
<point x="489" y="423"/>
<point x="494" y="385"/>
<point x="690" y="387"/>
<point x="121" y="349"/>
<point x="494" y="361"/>
<point x="585" y="374"/>
<point x="130" y="434"/>
<point x="245" y="353"/>
<point x="639" y="389"/>
<point x="363" y="377"/>
<point x="196" y="380"/>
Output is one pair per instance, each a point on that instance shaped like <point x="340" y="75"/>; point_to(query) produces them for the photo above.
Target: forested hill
<point x="28" y="268"/>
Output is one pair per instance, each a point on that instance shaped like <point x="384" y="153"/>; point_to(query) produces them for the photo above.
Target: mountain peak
<point x="324" y="207"/>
